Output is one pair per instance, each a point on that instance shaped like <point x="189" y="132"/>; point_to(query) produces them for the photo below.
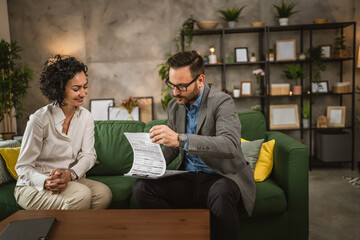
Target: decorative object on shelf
<point x="252" y="58"/>
<point x="241" y="54"/>
<point x="320" y="20"/>
<point x="336" y="116"/>
<point x="229" y="59"/>
<point x="326" y="51"/>
<point x="99" y="108"/>
<point x="306" y="114"/>
<point x="286" y="50"/>
<point x="236" y="92"/>
<point x="341" y="87"/>
<point x="207" y="24"/>
<point x="302" y="56"/>
<point x="318" y="66"/>
<point x="321" y="122"/>
<point x="320" y="87"/>
<point x="284" y="11"/>
<point x="129" y="104"/>
<point x="206" y="59"/>
<point x="212" y="57"/>
<point x="284" y="117"/>
<point x="185" y="35"/>
<point x="231" y="15"/>
<point x="246" y="88"/>
<point x="271" y="55"/>
<point x="295" y="73"/>
<point x="278" y="89"/>
<point x="340" y="48"/>
<point x="164" y="75"/>
<point x="14" y="81"/>
<point x="256" y="107"/>
<point x="257" y="24"/>
<point x="258" y="73"/>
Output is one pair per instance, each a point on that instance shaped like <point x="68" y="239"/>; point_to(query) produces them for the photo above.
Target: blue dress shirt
<point x="192" y="162"/>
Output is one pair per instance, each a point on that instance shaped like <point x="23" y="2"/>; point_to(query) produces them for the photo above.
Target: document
<point x="149" y="161"/>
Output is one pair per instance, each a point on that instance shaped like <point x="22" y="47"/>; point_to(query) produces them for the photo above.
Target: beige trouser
<point x="81" y="194"/>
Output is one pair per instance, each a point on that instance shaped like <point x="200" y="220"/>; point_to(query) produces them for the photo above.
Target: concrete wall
<point x="4" y="21"/>
<point x="123" y="41"/>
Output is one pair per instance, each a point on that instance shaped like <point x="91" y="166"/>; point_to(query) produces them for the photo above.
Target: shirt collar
<point x="59" y="115"/>
<point x="196" y="104"/>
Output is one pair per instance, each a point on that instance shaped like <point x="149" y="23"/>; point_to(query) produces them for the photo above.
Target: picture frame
<point x="320" y="87"/>
<point x="284" y="117"/>
<point x="241" y="54"/>
<point x="99" y="108"/>
<point x="326" y="50"/>
<point x="245" y="88"/>
<point x="336" y="116"/>
<point x="17" y="137"/>
<point x="117" y="113"/>
<point x="286" y="50"/>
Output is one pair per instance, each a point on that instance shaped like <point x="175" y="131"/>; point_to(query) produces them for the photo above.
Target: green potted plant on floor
<point x="231" y="15"/>
<point x="295" y="73"/>
<point x="14" y="81"/>
<point x="284" y="11"/>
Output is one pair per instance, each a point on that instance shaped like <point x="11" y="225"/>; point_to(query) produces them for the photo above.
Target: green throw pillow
<point x="251" y="151"/>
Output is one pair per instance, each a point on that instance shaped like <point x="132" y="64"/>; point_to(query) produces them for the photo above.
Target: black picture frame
<point x="241" y="54"/>
<point x="99" y="108"/>
<point x="320" y="87"/>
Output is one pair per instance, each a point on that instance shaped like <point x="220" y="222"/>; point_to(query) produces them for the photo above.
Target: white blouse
<point x="44" y="147"/>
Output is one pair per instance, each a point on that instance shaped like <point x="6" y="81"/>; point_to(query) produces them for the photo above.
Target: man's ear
<point x="201" y="80"/>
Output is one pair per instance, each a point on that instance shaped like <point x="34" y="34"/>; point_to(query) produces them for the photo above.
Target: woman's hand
<point x="57" y="181"/>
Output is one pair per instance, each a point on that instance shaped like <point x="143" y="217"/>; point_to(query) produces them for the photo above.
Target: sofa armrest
<point x="291" y="168"/>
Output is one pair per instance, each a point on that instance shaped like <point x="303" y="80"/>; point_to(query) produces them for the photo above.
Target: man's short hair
<point x="187" y="58"/>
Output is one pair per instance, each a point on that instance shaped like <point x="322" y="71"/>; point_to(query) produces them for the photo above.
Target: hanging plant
<point x="186" y="33"/>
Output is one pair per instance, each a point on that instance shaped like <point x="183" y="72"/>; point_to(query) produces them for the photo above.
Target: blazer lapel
<point x="202" y="110"/>
<point x="181" y="119"/>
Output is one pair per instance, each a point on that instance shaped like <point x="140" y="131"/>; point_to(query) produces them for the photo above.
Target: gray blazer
<point x="217" y="141"/>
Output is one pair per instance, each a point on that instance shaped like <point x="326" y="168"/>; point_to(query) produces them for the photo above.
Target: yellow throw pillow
<point x="10" y="156"/>
<point x="244" y="140"/>
<point x="265" y="162"/>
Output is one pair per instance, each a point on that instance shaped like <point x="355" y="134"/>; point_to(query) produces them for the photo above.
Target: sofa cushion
<point x="251" y="151"/>
<point x="270" y="200"/>
<point x="10" y="156"/>
<point x="113" y="150"/>
<point x="265" y="162"/>
<point x="8" y="203"/>
<point x="121" y="188"/>
<point x="4" y="174"/>
<point x="254" y="125"/>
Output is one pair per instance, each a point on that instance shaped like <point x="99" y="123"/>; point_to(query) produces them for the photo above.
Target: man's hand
<point x="57" y="181"/>
<point x="162" y="134"/>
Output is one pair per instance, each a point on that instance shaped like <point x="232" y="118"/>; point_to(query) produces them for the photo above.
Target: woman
<point x="58" y="145"/>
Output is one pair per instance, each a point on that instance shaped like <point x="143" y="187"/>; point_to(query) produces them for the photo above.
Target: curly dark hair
<point x="56" y="73"/>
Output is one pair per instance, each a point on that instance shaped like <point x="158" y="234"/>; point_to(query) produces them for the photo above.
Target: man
<point x="204" y="127"/>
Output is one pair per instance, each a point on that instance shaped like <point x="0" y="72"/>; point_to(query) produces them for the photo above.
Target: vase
<point x="297" y="90"/>
<point x="130" y="117"/>
<point x="236" y="93"/>
<point x="306" y="123"/>
<point x="283" y="21"/>
<point x="231" y="24"/>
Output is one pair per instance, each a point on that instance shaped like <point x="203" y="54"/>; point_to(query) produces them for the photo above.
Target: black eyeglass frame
<point x="172" y="86"/>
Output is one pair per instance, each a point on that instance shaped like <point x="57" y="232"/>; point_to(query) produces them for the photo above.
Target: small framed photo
<point x="286" y="50"/>
<point x="241" y="54"/>
<point x="99" y="108"/>
<point x="336" y="116"/>
<point x="284" y="116"/>
<point x="117" y="113"/>
<point x="245" y="88"/>
<point x="326" y="51"/>
<point x="320" y="87"/>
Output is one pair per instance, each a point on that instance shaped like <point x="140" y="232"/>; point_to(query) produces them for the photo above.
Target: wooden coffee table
<point x="123" y="224"/>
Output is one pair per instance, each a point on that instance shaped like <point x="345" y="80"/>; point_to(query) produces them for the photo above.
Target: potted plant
<point x="258" y="73"/>
<point x="164" y="75"/>
<point x="295" y="73"/>
<point x="185" y="34"/>
<point x="231" y="15"/>
<point x="14" y="81"/>
<point x="340" y="48"/>
<point x="284" y="11"/>
<point x="318" y="66"/>
<point x="306" y="113"/>
<point x="236" y="91"/>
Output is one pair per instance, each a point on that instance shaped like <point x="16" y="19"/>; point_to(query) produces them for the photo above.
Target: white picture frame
<point x="99" y="108"/>
<point x="336" y="116"/>
<point x="117" y="113"/>
<point x="326" y="51"/>
<point x="286" y="50"/>
<point x="245" y="88"/>
<point x="241" y="54"/>
<point x="284" y="117"/>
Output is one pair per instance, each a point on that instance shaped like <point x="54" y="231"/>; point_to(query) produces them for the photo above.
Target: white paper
<point x="149" y="160"/>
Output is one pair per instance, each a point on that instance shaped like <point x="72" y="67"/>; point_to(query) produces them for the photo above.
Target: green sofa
<point x="281" y="208"/>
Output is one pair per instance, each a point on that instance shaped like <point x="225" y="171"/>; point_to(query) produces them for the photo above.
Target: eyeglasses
<point x="179" y="87"/>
